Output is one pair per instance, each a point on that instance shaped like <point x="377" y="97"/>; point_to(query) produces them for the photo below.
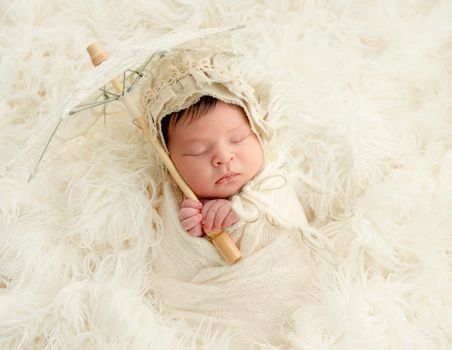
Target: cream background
<point x="368" y="85"/>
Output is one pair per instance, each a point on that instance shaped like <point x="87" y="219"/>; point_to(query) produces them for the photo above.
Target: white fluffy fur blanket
<point x="370" y="86"/>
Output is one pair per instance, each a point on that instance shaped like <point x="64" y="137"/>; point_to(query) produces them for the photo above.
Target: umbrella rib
<point x="45" y="149"/>
<point x="82" y="108"/>
<point x="139" y="72"/>
<point x="109" y="93"/>
<point x="139" y="76"/>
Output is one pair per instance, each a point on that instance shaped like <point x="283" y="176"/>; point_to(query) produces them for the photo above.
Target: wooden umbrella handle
<point x="220" y="239"/>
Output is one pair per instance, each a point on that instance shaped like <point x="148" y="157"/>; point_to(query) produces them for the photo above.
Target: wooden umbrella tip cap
<point x="97" y="53"/>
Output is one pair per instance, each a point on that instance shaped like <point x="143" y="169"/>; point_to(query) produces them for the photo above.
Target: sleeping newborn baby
<point x="209" y="121"/>
<point x="214" y="149"/>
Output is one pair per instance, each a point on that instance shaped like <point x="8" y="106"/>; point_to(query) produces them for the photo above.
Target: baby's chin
<point x="216" y="195"/>
<point x="220" y="192"/>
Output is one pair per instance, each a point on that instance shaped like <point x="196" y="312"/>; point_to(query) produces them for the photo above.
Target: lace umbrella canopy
<point x="94" y="94"/>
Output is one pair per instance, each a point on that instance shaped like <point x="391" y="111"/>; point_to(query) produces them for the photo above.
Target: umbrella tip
<point x="97" y="53"/>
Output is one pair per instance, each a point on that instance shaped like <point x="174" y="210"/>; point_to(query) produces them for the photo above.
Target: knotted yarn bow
<point x="266" y="196"/>
<point x="270" y="197"/>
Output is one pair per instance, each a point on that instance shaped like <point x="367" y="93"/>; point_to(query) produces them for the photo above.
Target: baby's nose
<point x="223" y="157"/>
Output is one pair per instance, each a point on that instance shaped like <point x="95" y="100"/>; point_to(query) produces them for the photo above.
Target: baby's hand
<point x="190" y="217"/>
<point x="216" y="214"/>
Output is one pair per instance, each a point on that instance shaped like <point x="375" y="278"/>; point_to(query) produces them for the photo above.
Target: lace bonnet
<point x="202" y="67"/>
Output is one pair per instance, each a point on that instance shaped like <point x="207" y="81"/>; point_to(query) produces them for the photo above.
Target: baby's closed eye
<point x="196" y="152"/>
<point x="239" y="138"/>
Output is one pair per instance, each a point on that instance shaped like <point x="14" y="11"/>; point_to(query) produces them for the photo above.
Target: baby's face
<point x="216" y="154"/>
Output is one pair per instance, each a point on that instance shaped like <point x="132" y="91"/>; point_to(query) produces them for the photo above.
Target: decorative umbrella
<point x="82" y="109"/>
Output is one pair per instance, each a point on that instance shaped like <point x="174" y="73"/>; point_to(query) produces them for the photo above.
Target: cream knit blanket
<point x="254" y="299"/>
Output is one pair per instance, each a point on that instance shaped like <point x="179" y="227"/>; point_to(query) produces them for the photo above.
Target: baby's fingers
<point x="196" y="231"/>
<point x="190" y="203"/>
<point x="221" y="215"/>
<point x="191" y="222"/>
<point x="209" y="217"/>
<point x="230" y="219"/>
<point x="185" y="213"/>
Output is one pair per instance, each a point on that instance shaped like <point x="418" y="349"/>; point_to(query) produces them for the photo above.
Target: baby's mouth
<point x="226" y="178"/>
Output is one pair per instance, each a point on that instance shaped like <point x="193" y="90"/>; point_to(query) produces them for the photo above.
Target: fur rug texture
<point x="370" y="86"/>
